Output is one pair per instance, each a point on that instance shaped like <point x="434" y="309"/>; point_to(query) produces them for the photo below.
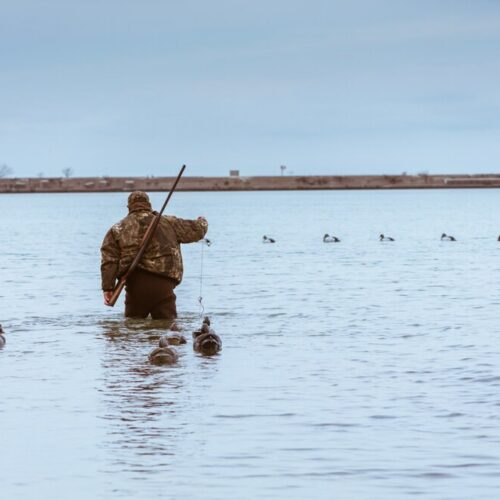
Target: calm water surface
<point x="349" y="371"/>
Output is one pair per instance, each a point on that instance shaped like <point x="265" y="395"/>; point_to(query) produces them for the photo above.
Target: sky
<point x="340" y="87"/>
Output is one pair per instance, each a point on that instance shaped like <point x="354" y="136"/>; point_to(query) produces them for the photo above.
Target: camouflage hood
<point x="138" y="200"/>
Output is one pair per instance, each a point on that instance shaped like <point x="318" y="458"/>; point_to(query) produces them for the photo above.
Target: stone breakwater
<point x="240" y="183"/>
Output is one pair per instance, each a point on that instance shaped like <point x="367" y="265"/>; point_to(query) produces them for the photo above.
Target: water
<point x="352" y="370"/>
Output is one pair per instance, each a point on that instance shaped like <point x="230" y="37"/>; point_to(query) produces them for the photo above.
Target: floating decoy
<point x="173" y="338"/>
<point x="163" y="355"/>
<point x="265" y="239"/>
<point x="174" y="327"/>
<point x="207" y="242"/>
<point x="447" y="237"/>
<point x="330" y="239"/>
<point x="205" y="340"/>
<point x="385" y="238"/>
<point x="2" y="337"/>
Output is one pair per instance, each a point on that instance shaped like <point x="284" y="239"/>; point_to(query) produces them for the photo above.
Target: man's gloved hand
<point x="107" y="297"/>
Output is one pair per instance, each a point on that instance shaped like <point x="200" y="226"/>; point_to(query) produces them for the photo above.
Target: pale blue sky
<point x="324" y="87"/>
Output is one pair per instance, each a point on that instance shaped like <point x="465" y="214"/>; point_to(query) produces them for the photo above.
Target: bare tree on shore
<point x="5" y="171"/>
<point x="67" y="172"/>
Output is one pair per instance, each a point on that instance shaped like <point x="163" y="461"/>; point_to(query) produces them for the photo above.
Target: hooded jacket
<point x="163" y="254"/>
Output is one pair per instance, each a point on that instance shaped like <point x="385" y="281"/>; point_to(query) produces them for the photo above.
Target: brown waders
<point x="149" y="293"/>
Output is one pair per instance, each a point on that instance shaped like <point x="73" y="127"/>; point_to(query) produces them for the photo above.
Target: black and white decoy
<point x="265" y="239"/>
<point x="385" y="238"/>
<point x="447" y="237"/>
<point x="330" y="239"/>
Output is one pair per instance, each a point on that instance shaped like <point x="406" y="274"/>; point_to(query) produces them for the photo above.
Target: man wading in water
<point x="150" y="287"/>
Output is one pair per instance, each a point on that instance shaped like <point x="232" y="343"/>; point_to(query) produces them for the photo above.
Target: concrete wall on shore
<point x="120" y="184"/>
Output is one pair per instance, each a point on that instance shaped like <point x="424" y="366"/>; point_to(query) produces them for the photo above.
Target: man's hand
<point x="107" y="297"/>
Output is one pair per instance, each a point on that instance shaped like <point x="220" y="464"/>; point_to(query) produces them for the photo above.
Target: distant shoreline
<point x="241" y="183"/>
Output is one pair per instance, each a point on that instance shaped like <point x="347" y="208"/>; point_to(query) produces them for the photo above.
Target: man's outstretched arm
<point x="189" y="231"/>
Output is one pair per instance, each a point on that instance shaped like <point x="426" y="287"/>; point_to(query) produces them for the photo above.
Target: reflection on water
<point x="146" y="408"/>
<point x="140" y="400"/>
<point x="354" y="370"/>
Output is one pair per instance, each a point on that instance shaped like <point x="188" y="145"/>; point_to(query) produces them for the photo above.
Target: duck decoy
<point x="173" y="338"/>
<point x="2" y="337"/>
<point x="205" y="340"/>
<point x="385" y="238"/>
<point x="174" y="327"/>
<point x="447" y="237"/>
<point x="163" y="355"/>
<point x="330" y="239"/>
<point x="265" y="239"/>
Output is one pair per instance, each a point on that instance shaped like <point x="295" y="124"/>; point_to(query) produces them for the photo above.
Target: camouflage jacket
<point x="163" y="255"/>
